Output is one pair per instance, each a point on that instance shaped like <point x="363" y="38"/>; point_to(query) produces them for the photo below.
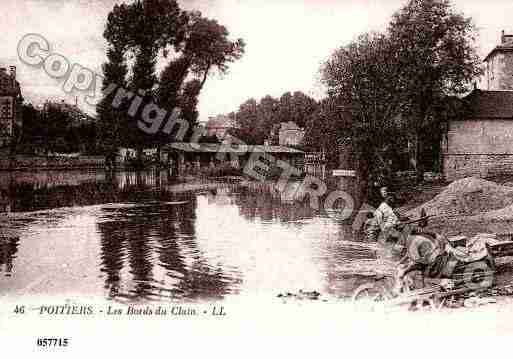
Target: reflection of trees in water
<point x="125" y="237"/>
<point x="265" y="202"/>
<point x="8" y="249"/>
<point x="113" y="243"/>
<point x="158" y="235"/>
<point x="200" y="279"/>
<point x="38" y="192"/>
<point x="139" y="253"/>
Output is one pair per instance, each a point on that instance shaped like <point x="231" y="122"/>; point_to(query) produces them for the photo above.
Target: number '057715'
<point x="52" y="342"/>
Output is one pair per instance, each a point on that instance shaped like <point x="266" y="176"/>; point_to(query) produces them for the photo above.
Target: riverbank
<point x="30" y="163"/>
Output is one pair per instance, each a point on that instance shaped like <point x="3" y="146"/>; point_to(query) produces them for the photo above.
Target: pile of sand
<point x="468" y="196"/>
<point x="503" y="214"/>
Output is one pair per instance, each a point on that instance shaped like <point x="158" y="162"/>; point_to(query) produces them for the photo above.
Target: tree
<point x="204" y="48"/>
<point x="260" y="121"/>
<point x="247" y="127"/>
<point x="296" y="107"/>
<point x="437" y="55"/>
<point x="326" y="128"/>
<point x="144" y="33"/>
<point x="363" y="78"/>
<point x="115" y="71"/>
<point x="398" y="85"/>
<point x="207" y="46"/>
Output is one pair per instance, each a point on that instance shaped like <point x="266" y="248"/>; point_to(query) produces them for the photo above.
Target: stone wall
<point x="480" y="137"/>
<point x="478" y="148"/>
<point x="460" y="166"/>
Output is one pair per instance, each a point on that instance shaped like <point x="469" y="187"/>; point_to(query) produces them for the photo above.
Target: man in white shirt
<point x="384" y="221"/>
<point x="385" y="216"/>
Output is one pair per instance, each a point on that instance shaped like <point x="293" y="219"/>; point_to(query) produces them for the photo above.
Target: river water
<point x="142" y="236"/>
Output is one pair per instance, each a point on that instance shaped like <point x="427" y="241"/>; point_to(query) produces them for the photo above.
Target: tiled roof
<point x="490" y="104"/>
<point x="214" y="147"/>
<point x="506" y="47"/>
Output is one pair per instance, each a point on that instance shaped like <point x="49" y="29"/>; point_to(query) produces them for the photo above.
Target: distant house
<point x="219" y="126"/>
<point x="499" y="65"/>
<point x="481" y="143"/>
<point x="10" y="106"/>
<point x="290" y="134"/>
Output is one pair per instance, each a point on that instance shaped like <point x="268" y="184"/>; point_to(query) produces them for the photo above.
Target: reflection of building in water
<point x="265" y="201"/>
<point x="149" y="179"/>
<point x="8" y="249"/>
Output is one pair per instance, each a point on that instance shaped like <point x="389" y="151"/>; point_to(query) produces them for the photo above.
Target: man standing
<point x="382" y="225"/>
<point x="385" y="215"/>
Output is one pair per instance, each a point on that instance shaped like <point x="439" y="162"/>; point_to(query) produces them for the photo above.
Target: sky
<point x="287" y="41"/>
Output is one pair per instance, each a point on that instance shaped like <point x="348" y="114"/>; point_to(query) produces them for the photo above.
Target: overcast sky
<point x="286" y="40"/>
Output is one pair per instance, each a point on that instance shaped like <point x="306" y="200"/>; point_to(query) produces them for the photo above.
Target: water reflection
<point x="25" y="191"/>
<point x="141" y="236"/>
<point x="156" y="245"/>
<point x="8" y="248"/>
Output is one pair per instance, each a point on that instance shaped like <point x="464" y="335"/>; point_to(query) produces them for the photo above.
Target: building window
<point x="6" y="107"/>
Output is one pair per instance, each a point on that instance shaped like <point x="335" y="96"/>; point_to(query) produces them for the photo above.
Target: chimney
<point x="503" y="37"/>
<point x="12" y="70"/>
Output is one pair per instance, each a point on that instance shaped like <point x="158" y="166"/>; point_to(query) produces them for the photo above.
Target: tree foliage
<point x="399" y="83"/>
<point x="141" y="35"/>
<point x="327" y="128"/>
<point x="258" y="121"/>
<point x="56" y="130"/>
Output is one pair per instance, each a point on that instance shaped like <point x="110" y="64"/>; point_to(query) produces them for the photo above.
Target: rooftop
<point x="232" y="148"/>
<point x="506" y="45"/>
<point x="490" y="104"/>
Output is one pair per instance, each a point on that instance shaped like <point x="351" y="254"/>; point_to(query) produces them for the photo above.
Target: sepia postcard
<point x="256" y="178"/>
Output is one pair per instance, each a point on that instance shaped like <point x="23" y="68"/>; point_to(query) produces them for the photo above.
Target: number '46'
<point x="20" y="309"/>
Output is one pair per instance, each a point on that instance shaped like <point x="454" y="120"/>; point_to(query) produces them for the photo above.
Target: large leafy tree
<point x="139" y="36"/>
<point x="247" y="128"/>
<point x="397" y="85"/>
<point x="296" y="107"/>
<point x="437" y="55"/>
<point x="363" y="77"/>
<point x="327" y="128"/>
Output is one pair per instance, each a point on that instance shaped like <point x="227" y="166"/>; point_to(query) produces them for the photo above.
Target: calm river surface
<point x="141" y="236"/>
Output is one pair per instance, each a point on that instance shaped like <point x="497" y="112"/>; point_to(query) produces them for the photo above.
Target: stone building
<point x="499" y="65"/>
<point x="10" y="106"/>
<point x="481" y="142"/>
<point x="219" y="125"/>
<point x="290" y="134"/>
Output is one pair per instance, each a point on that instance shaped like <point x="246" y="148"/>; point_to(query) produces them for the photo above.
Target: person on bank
<point x="382" y="226"/>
